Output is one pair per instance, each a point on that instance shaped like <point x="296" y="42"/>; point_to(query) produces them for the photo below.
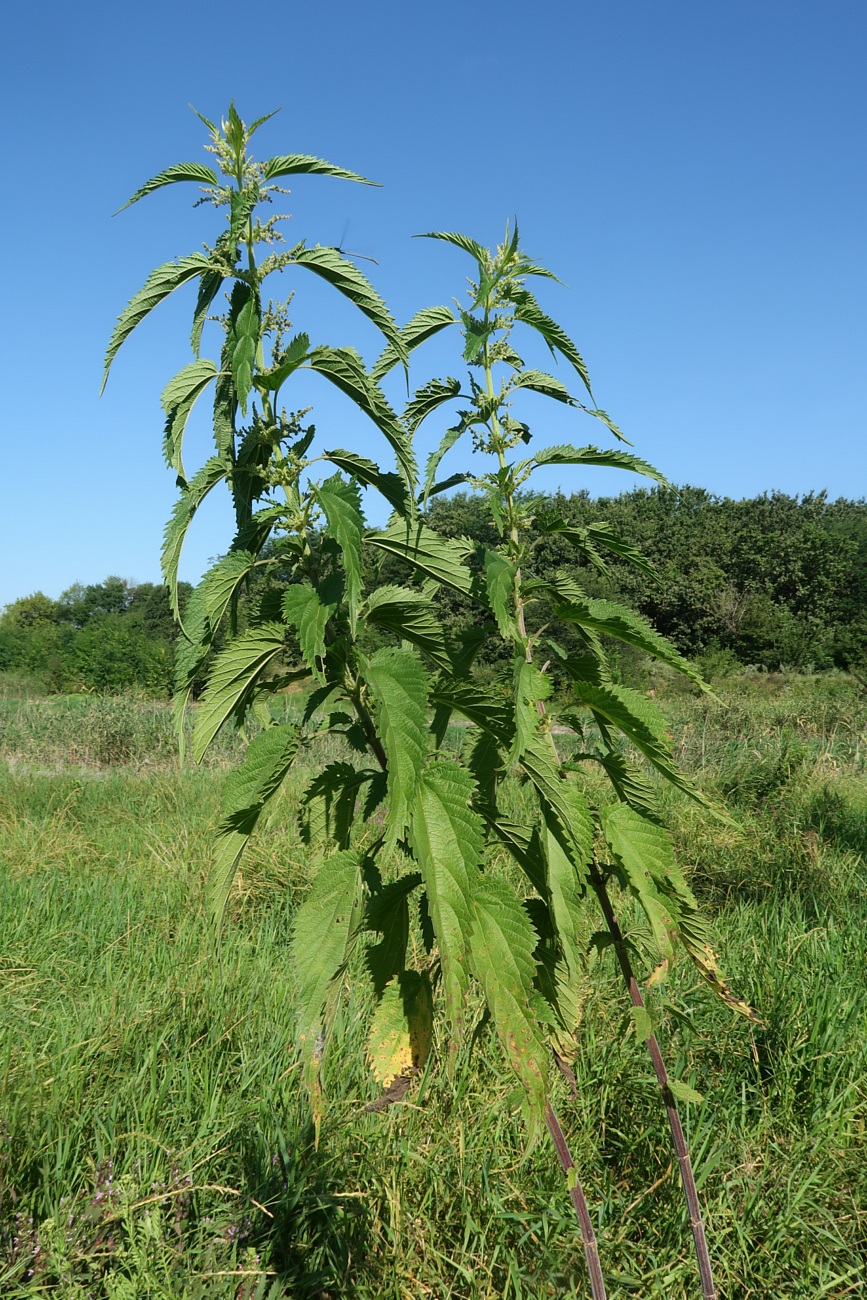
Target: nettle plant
<point x="400" y="822"/>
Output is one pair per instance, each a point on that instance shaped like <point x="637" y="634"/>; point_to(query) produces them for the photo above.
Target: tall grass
<point x="154" y="1142"/>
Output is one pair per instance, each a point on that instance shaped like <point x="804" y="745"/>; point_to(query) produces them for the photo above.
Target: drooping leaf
<point x="242" y="338"/>
<point x="388" y="914"/>
<point x="343" y="368"/>
<point x="460" y="241"/>
<point x="192" y="496"/>
<point x="558" y="793"/>
<point x="538" y="382"/>
<point x="232" y="679"/>
<point x="448" y="440"/>
<point x="500" y="582"/>
<point x="390" y="486"/>
<point x="242" y="202"/>
<point x="567" y="878"/>
<point x="642" y="849"/>
<point x="323" y="937"/>
<point x="189" y="171"/>
<point x="209" y="287"/>
<point x="531" y="688"/>
<point x="328" y="806"/>
<point x="345" y="277"/>
<point x="409" y="614"/>
<point x="441" y="558"/>
<point x="178" y="399"/>
<point x="247" y="791"/>
<point x="423" y="326"/>
<point x="429" y="399"/>
<point x="340" y="502"/>
<point x="400" y="1033"/>
<point x="447" y="840"/>
<point x="400" y="686"/>
<point x="306" y="612"/>
<point x="528" y="311"/>
<point x="301" y="164"/>
<point x="588" y="538"/>
<point x="618" y="621"/>
<point x="159" y="284"/>
<point x="567" y="455"/>
<point x="502" y="945"/>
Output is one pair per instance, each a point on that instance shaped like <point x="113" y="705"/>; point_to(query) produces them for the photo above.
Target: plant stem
<point x="591" y="1250"/>
<point x="696" y="1221"/>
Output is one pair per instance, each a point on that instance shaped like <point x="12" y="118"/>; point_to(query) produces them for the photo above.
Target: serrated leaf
<point x="536" y="381"/>
<point x="247" y="791"/>
<point x="345" y="277"/>
<point x="340" y="502"/>
<point x="400" y="1032"/>
<point x="448" y="440"/>
<point x="242" y="338"/>
<point x="390" y="486"/>
<point x="189" y="171"/>
<point x="528" y="311"/>
<point x="192" y="496"/>
<point x="643" y="851"/>
<point x="423" y="326"/>
<point x="502" y="945"/>
<point x="328" y="805"/>
<point x="500" y="582"/>
<point x="567" y="874"/>
<point x="178" y="399"/>
<point x="242" y="202"/>
<point x="429" y="399"/>
<point x="232" y="679"/>
<point x="343" y="368"/>
<point x="400" y="687"/>
<point x="642" y="1023"/>
<point x="531" y="688"/>
<point x="460" y="241"/>
<point x="209" y="287"/>
<point x="603" y="535"/>
<point x="302" y="164"/>
<point x="291" y="358"/>
<point x="408" y="613"/>
<point x="308" y="614"/>
<point x="159" y="284"/>
<point x="388" y="913"/>
<point x="448" y="840"/>
<point x="441" y="558"/>
<point x="322" y="941"/>
<point x="564" y="454"/>
<point x="540" y="765"/>
<point x="611" y="619"/>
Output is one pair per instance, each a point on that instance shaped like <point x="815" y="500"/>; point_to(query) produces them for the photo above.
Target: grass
<point x="153" y="1139"/>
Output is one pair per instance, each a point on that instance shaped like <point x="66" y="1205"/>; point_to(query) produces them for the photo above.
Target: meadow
<point x="154" y="1141"/>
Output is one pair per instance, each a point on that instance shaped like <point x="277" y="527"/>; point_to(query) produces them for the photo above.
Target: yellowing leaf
<point x="400" y="1035"/>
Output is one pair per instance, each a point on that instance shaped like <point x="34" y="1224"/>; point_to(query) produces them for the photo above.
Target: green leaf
<point x="448" y="840"/>
<point x="642" y="849"/>
<point x="683" y="1092"/>
<point x="388" y="913"/>
<point x="343" y="368"/>
<point x="440" y="558"/>
<point x="401" y="1029"/>
<point x="500" y="583"/>
<point x="528" y="311"/>
<point x="429" y="399"/>
<point x="345" y="277"/>
<point x="341" y="504"/>
<point x="390" y="486"/>
<point x="531" y="688"/>
<point x="568" y="875"/>
<point x="400" y="685"/>
<point x="159" y="284"/>
<point x="502" y="945"/>
<point x="409" y="614"/>
<point x="233" y="679"/>
<point x="242" y="203"/>
<point x="448" y="440"/>
<point x="424" y="325"/>
<point x="538" y="382"/>
<point x="178" y="399"/>
<point x="589" y="538"/>
<point x="539" y="763"/>
<point x="567" y="455"/>
<point x="328" y="805"/>
<point x="209" y="287"/>
<point x="323" y="938"/>
<point x="192" y="496"/>
<point x="308" y="615"/>
<point x="630" y="784"/>
<point x="460" y="241"/>
<point x="611" y="619"/>
<point x="242" y="338"/>
<point x="302" y="164"/>
<point x="189" y="171"/>
<point x="247" y="791"/>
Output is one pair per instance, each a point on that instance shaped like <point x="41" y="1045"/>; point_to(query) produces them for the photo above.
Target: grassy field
<point x="153" y="1139"/>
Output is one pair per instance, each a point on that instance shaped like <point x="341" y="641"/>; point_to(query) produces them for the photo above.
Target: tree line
<point x="772" y="581"/>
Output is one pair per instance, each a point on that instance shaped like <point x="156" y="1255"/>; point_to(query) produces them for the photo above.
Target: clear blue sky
<point x="694" y="170"/>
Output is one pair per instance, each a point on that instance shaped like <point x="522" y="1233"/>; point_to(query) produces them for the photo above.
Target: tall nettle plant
<point x="399" y="822"/>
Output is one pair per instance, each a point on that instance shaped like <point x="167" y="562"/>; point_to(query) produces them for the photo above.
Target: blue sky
<point x="694" y="172"/>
